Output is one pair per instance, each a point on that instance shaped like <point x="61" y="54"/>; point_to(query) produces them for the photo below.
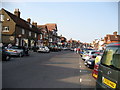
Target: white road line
<point x="83" y="71"/>
<point x="87" y="80"/>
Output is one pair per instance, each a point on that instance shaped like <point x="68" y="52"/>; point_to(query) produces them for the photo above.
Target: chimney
<point x="28" y="20"/>
<point x="17" y="13"/>
<point x="115" y="33"/>
<point x="35" y="24"/>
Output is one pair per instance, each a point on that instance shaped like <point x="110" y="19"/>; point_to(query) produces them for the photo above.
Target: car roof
<point x="113" y="44"/>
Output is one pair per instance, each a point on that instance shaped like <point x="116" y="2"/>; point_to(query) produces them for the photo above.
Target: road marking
<point x="87" y="80"/>
<point x="83" y="71"/>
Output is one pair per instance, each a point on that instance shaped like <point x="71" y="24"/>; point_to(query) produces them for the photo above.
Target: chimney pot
<point x="28" y="20"/>
<point x="35" y="24"/>
<point x="17" y="13"/>
<point x="114" y="33"/>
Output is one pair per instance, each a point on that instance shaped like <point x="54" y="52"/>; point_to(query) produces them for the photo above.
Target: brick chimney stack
<point x="28" y="20"/>
<point x="17" y="13"/>
<point x="35" y="24"/>
<point x="115" y="33"/>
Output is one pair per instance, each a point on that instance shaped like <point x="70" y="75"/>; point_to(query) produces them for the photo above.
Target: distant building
<point x="52" y="30"/>
<point x="43" y="38"/>
<point x="112" y="38"/>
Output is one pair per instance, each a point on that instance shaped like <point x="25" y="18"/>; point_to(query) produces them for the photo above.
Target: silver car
<point x="43" y="49"/>
<point x="15" y="51"/>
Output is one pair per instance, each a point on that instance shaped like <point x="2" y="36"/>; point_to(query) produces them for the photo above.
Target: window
<point x="8" y="19"/>
<point x="23" y="31"/>
<point x="40" y="36"/>
<point x="1" y="17"/>
<point x="111" y="57"/>
<point x="30" y="26"/>
<point x="5" y="29"/>
<point x="35" y="35"/>
<point x="29" y="33"/>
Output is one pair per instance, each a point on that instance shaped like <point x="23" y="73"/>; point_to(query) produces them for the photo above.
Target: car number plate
<point x="109" y="83"/>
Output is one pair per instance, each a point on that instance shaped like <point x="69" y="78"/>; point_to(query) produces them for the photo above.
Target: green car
<point x="109" y="69"/>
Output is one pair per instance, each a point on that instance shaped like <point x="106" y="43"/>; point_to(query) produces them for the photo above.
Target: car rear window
<point x="111" y="57"/>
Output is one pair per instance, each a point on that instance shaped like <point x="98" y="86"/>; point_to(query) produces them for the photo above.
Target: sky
<point x="84" y="21"/>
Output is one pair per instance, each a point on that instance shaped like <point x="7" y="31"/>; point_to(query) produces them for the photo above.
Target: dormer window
<point x="5" y="29"/>
<point x="8" y="19"/>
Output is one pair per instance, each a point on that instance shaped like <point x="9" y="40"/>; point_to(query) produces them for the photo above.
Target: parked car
<point x="89" y="54"/>
<point x="5" y="55"/>
<point x="54" y="48"/>
<point x="43" y="49"/>
<point x="15" y="51"/>
<point x="109" y="68"/>
<point x="35" y="48"/>
<point x="91" y="62"/>
<point x="71" y="49"/>
<point x="95" y="70"/>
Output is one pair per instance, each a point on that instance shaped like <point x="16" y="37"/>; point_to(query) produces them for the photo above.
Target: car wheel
<point x="20" y="55"/>
<point x="8" y="58"/>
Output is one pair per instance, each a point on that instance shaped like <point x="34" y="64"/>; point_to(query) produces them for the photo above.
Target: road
<point x="63" y="69"/>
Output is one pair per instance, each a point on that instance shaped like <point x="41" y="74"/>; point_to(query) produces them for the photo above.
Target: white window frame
<point x="29" y="33"/>
<point x="41" y="36"/>
<point x="2" y="17"/>
<point x="35" y="35"/>
<point x="30" y="25"/>
<point x="23" y="31"/>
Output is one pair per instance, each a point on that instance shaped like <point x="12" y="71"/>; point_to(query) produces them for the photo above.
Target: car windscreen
<point x="111" y="57"/>
<point x="14" y="47"/>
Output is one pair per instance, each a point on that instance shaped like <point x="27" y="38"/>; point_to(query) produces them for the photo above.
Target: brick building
<point x="18" y="31"/>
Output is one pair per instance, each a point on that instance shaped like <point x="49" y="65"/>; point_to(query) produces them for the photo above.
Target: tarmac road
<point x="63" y="69"/>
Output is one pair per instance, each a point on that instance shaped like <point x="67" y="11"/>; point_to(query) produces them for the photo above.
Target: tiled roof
<point x="51" y="26"/>
<point x="41" y="26"/>
<point x="21" y="22"/>
<point x="114" y="37"/>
